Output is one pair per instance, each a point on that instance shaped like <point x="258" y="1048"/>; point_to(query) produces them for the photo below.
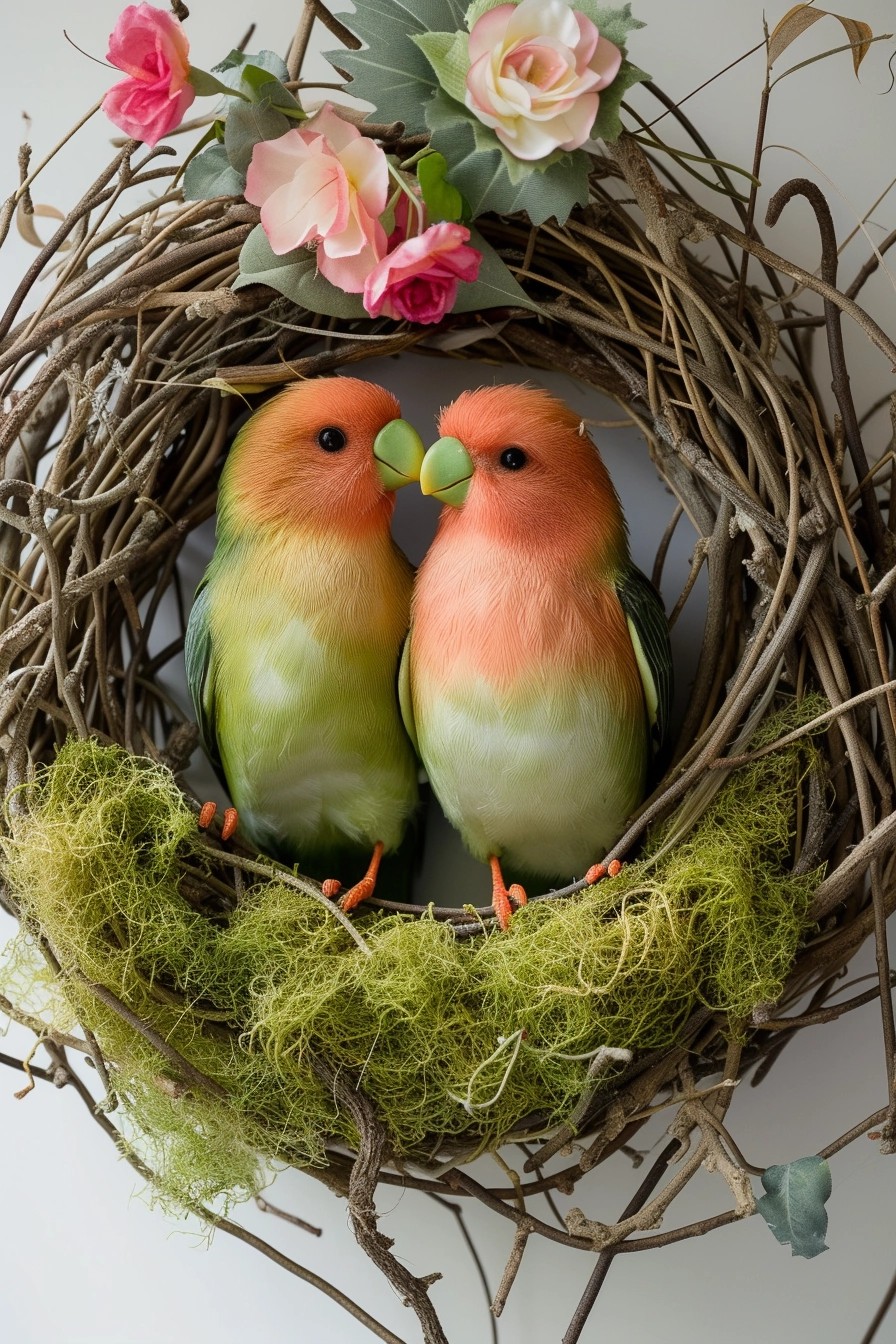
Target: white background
<point x="83" y="1258"/>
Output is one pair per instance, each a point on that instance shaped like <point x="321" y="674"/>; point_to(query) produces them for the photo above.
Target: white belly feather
<point x="545" y="782"/>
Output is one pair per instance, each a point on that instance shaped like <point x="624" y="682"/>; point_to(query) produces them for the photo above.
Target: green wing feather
<point x="405" y="701"/>
<point x="200" y="672"/>
<point x="649" y="630"/>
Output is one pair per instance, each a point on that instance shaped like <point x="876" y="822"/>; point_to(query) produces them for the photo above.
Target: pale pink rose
<point x="151" y="47"/>
<point x="419" y="279"/>
<point x="535" y="71"/>
<point x="325" y="184"/>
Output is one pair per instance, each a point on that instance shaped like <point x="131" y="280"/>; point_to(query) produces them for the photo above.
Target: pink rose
<point x="535" y="71"/>
<point x="419" y="279"/>
<point x="325" y="184"/>
<point x="151" y="47"/>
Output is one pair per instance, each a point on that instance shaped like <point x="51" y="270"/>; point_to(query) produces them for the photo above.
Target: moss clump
<point x="447" y="1037"/>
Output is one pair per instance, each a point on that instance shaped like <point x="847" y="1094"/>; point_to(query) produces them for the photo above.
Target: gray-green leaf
<point x="485" y="176"/>
<point x="495" y="287"/>
<point x="794" y="1204"/>
<point x="296" y="275"/>
<point x="608" y="126"/>
<point x="207" y="86"/>
<point x="246" y="125"/>
<point x="613" y="24"/>
<point x="391" y="72"/>
<point x="211" y="174"/>
<point x="232" y="66"/>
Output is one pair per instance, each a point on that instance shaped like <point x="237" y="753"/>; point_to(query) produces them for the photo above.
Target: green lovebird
<point x="537" y="675"/>
<point x="294" y="638"/>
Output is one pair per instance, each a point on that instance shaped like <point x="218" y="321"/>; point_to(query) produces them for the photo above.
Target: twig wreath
<point x="235" y="1017"/>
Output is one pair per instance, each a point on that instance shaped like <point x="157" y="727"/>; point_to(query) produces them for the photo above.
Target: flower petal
<point x="488" y="31"/>
<point x="367" y="170"/>
<point x="606" y="62"/>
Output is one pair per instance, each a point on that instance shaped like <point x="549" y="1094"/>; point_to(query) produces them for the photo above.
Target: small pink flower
<point x="324" y="184"/>
<point x="151" y="47"/>
<point x="535" y="71"/>
<point x="419" y="279"/>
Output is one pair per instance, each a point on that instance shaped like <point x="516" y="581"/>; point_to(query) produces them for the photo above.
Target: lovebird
<point x="536" y="679"/>
<point x="293" y="642"/>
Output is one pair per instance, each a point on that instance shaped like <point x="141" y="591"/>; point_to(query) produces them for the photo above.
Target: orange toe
<point x="363" y="889"/>
<point x="331" y="887"/>
<point x="207" y="814"/>
<point x="504" y="900"/>
<point x="599" y="870"/>
<point x="229" y="824"/>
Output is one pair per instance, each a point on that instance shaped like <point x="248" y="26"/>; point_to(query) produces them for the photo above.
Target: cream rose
<point x="536" y="69"/>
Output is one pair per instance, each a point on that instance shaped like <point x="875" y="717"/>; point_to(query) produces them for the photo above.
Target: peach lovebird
<point x="294" y="639"/>
<point x="537" y="674"/>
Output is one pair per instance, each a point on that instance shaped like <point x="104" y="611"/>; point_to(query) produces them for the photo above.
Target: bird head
<point x="328" y="452"/>
<point x="517" y="464"/>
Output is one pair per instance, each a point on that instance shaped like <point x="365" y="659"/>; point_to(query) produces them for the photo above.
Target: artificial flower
<point x="535" y="71"/>
<point x="151" y="47"/>
<point x="323" y="185"/>
<point x="418" y="280"/>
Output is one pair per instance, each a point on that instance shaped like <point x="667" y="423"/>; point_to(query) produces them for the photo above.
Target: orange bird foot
<point x="209" y="811"/>
<point x="599" y="870"/>
<point x="331" y="887"/>
<point x="361" y="890"/>
<point x="505" y="899"/>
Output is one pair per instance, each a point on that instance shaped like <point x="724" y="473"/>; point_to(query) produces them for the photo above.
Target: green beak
<point x="447" y="471"/>
<point x="398" y="450"/>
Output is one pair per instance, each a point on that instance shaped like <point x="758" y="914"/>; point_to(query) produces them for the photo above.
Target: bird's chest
<point x="495" y="615"/>
<point x="529" y="711"/>
<point x="305" y="668"/>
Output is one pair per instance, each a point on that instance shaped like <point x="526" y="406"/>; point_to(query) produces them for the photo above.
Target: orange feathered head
<point x="535" y="474"/>
<point x="328" y="452"/>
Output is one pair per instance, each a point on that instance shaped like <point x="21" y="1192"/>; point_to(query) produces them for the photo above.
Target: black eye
<point x="513" y="459"/>
<point x="331" y="439"/>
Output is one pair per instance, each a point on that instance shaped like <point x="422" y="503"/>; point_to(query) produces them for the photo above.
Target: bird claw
<point x="356" y="894"/>
<point x="207" y="814"/>
<point x="361" y="890"/>
<point x="599" y="870"/>
<point x="209" y="811"/>
<point x="505" y="899"/>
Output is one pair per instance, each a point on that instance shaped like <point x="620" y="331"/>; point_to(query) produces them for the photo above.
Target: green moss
<point x="448" y="1037"/>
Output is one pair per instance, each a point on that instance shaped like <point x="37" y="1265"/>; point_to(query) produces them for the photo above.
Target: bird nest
<point x="234" y="1017"/>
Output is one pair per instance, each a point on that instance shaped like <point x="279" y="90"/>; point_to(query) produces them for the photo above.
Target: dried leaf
<point x="800" y="17"/>
<point x="25" y="223"/>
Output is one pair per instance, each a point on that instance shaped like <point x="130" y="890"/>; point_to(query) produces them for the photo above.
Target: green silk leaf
<point x="211" y="174"/>
<point x="246" y="125"/>
<point x="608" y="124"/>
<point x="207" y="85"/>
<point x="391" y="71"/>
<point x="794" y="1205"/>
<point x="448" y="54"/>
<point x="494" y="287"/>
<point x="234" y="65"/>
<point x="613" y="24"/>
<point x="442" y="200"/>
<point x="295" y="275"/>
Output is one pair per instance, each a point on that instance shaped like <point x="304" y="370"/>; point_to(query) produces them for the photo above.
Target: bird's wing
<point x="404" y="694"/>
<point x="649" y="631"/>
<point x="200" y="671"/>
